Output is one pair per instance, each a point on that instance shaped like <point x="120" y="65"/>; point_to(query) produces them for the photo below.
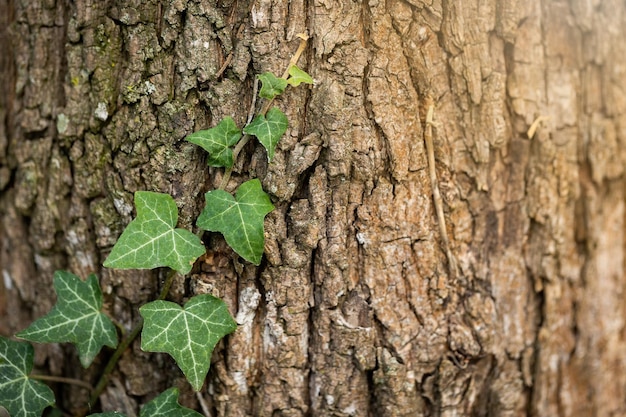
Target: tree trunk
<point x="356" y="309"/>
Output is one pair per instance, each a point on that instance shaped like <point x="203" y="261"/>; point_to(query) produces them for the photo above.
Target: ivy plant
<point x="218" y="142"/>
<point x="20" y="394"/>
<point x="77" y="318"/>
<point x="164" y="405"/>
<point x="268" y="128"/>
<point x="152" y="239"/>
<point x="239" y="218"/>
<point x="189" y="333"/>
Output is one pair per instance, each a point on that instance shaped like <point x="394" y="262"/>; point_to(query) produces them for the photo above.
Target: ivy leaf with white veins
<point x="271" y="85"/>
<point x="298" y="76"/>
<point x="164" y="405"/>
<point x="187" y="333"/>
<point x="268" y="128"/>
<point x="19" y="394"/>
<point x="217" y="141"/>
<point x="239" y="219"/>
<point x="151" y="240"/>
<point x="76" y="318"/>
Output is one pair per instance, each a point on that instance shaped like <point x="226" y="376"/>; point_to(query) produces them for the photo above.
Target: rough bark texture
<point x="354" y="311"/>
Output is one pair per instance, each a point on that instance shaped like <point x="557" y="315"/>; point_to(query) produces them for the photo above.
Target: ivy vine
<point x="189" y="333"/>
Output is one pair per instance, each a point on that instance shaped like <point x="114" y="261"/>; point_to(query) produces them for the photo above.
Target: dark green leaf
<point x="189" y="334"/>
<point x="164" y="405"/>
<point x="217" y="141"/>
<point x="76" y="318"/>
<point x="151" y="240"/>
<point x="271" y="85"/>
<point x="268" y="129"/>
<point x="19" y="394"/>
<point x="239" y="219"/>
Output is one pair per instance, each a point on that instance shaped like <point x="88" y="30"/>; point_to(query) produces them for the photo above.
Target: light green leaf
<point x="298" y="76"/>
<point x="19" y="394"/>
<point x="151" y="240"/>
<point x="271" y="85"/>
<point x="268" y="129"/>
<point x="239" y="219"/>
<point x="189" y="334"/>
<point x="217" y="141"/>
<point x="76" y="318"/>
<point x="164" y="405"/>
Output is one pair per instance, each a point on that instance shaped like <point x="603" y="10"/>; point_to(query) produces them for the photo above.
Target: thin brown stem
<point x="125" y="343"/>
<point x="255" y="90"/>
<point x="205" y="407"/>
<point x="169" y="280"/>
<point x="294" y="61"/>
<point x="430" y="151"/>
<point x="106" y="374"/>
<point x="227" y="62"/>
<point x="61" y="379"/>
<point x="244" y="140"/>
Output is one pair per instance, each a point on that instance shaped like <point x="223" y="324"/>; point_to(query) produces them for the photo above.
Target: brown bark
<point x="354" y="311"/>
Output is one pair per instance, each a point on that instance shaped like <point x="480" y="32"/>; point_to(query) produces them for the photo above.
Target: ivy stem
<point x="61" y="379"/>
<point x="106" y="374"/>
<point x="246" y="138"/>
<point x="125" y="343"/>
<point x="243" y="142"/>
<point x="169" y="280"/>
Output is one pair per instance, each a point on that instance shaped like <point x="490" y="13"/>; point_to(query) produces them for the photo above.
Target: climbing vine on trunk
<point x="188" y="333"/>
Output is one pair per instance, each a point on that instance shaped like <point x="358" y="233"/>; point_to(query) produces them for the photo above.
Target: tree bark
<point x="356" y="309"/>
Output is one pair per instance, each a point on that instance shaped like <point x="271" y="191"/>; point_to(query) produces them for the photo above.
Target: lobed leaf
<point x="240" y="218"/>
<point x="189" y="334"/>
<point x="271" y="85"/>
<point x="217" y="141"/>
<point x="298" y="76"/>
<point x="151" y="240"/>
<point x="76" y="318"/>
<point x="268" y="128"/>
<point x="164" y="405"/>
<point x="19" y="394"/>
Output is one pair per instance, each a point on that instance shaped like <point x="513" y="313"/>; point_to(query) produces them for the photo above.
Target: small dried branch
<point x="434" y="182"/>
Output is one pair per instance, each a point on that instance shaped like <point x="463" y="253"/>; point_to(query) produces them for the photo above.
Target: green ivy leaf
<point x="188" y="334"/>
<point x="19" y="394"/>
<point x="268" y="128"/>
<point x="164" y="405"/>
<point x="151" y="240"/>
<point x="239" y="219"/>
<point x="76" y="318"/>
<point x="217" y="141"/>
<point x="271" y="85"/>
<point x="298" y="76"/>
